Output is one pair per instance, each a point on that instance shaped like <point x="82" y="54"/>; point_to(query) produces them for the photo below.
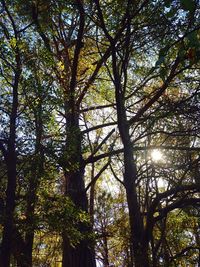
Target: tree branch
<point x="97" y="176"/>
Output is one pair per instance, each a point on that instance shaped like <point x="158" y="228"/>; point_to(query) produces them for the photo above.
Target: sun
<point x="156" y="155"/>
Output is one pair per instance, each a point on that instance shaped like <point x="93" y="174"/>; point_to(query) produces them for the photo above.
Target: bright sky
<point x="156" y="155"/>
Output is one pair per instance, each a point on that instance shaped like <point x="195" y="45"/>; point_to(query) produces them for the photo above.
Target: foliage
<point x="89" y="89"/>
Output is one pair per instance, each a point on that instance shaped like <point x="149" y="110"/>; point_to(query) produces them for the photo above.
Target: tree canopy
<point x="99" y="133"/>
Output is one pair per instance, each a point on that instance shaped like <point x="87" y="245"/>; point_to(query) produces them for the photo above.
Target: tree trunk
<point x="19" y="249"/>
<point x="11" y="162"/>
<point x="106" y="255"/>
<point x="10" y="205"/>
<point x="140" y="245"/>
<point x="92" y="196"/>
<point x="83" y="253"/>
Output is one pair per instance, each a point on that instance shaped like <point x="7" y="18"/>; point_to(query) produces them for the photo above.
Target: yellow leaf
<point x="60" y="66"/>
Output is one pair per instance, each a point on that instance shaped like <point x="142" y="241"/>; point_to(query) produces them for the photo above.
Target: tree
<point x="11" y="70"/>
<point x="122" y="41"/>
<point x="99" y="88"/>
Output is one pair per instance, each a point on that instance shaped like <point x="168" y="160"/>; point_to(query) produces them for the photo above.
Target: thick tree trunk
<point x="140" y="245"/>
<point x="11" y="162"/>
<point x="83" y="253"/>
<point x="19" y="249"/>
<point x="140" y="248"/>
<point x="10" y="205"/>
<point x="79" y="256"/>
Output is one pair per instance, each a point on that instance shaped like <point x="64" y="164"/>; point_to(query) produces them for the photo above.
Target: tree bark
<point x="140" y="245"/>
<point x="11" y="162"/>
<point x="83" y="253"/>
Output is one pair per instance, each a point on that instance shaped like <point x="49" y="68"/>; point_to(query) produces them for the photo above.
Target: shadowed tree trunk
<point x="138" y="242"/>
<point x="140" y="246"/>
<point x="83" y="253"/>
<point x="11" y="162"/>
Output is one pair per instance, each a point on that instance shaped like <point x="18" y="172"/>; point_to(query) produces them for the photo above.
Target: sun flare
<point x="156" y="155"/>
